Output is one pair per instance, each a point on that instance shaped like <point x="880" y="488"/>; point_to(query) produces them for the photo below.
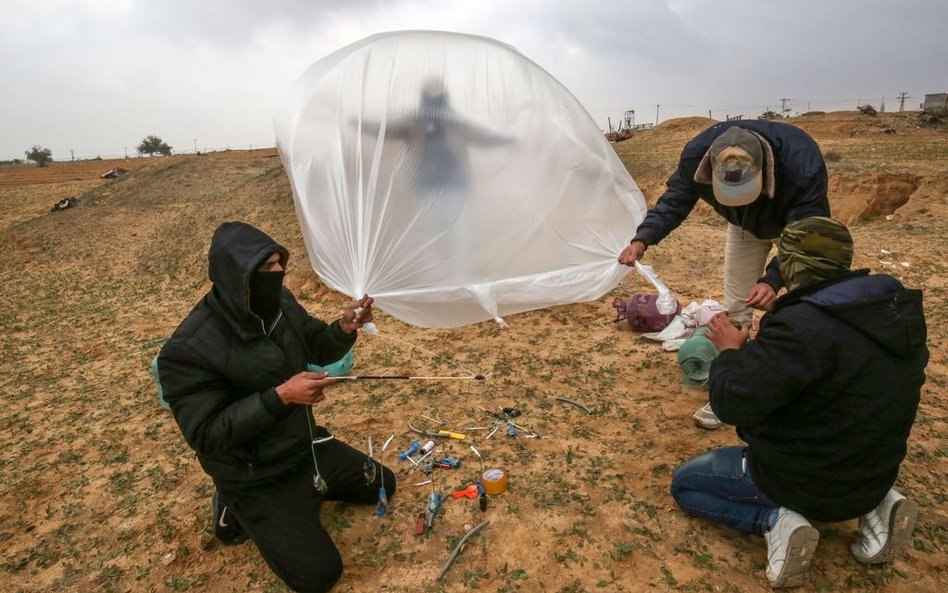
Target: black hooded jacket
<point x="826" y="395"/>
<point x="220" y="368"/>
<point x="800" y="186"/>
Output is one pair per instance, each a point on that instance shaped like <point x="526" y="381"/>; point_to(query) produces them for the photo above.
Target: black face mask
<point x="265" y="289"/>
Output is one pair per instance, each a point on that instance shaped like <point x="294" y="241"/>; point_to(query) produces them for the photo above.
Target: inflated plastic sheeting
<point x="453" y="179"/>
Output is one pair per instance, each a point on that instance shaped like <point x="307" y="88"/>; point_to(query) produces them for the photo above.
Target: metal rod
<point x="458" y="547"/>
<point x="503" y="418"/>
<point x="412" y="378"/>
<point x="575" y="403"/>
<point x="437" y="433"/>
<point x="420" y="459"/>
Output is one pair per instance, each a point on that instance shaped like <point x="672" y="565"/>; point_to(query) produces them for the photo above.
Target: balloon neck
<point x="666" y="303"/>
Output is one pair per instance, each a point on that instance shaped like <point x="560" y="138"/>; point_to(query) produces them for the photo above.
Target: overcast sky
<point x="96" y="76"/>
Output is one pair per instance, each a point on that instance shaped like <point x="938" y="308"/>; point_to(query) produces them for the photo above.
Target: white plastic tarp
<point x="453" y="179"/>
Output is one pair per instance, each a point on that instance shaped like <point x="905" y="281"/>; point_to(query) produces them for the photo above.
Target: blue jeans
<point x="718" y="487"/>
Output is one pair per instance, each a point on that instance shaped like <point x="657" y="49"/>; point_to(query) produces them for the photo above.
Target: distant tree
<point x="153" y="145"/>
<point x="770" y="114"/>
<point x="39" y="155"/>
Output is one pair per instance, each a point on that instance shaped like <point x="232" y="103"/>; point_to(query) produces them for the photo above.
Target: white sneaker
<point x="706" y="418"/>
<point x="885" y="532"/>
<point x="790" y="547"/>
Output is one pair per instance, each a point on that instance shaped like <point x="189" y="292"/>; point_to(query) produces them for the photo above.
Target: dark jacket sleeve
<point x="211" y="420"/>
<point x="748" y="383"/>
<point x="325" y="343"/>
<point x="772" y="275"/>
<point x="810" y="200"/>
<point x="671" y="209"/>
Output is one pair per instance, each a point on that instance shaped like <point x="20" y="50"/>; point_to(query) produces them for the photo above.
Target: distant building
<point x="935" y="101"/>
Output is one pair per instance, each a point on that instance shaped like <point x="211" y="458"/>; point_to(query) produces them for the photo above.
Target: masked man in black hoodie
<point x="825" y="397"/>
<point x="235" y="375"/>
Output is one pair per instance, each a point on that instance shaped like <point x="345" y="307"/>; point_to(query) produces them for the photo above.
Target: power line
<point x="730" y="107"/>
<point x="902" y="97"/>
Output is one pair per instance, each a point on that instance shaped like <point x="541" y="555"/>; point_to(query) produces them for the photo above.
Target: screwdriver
<point x="434" y="505"/>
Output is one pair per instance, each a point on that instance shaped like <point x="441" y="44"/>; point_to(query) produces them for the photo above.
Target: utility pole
<point x="195" y="145"/>
<point x="656" y="113"/>
<point x="72" y="154"/>
<point x="882" y="106"/>
<point x="126" y="153"/>
<point x="902" y="97"/>
<point x="609" y="118"/>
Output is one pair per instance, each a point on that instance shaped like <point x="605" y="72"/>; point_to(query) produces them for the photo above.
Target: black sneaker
<point x="227" y="529"/>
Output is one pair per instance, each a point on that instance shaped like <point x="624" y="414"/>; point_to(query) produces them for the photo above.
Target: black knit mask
<point x="265" y="289"/>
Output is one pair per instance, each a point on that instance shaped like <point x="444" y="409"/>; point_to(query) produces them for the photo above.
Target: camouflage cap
<point x="812" y="250"/>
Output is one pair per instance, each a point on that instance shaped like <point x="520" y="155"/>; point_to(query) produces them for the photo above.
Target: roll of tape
<point x="494" y="481"/>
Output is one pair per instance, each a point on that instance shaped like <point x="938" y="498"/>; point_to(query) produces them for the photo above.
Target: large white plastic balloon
<point x="453" y="179"/>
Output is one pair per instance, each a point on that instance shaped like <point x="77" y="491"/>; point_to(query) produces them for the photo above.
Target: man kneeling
<point x="235" y="374"/>
<point x="824" y="397"/>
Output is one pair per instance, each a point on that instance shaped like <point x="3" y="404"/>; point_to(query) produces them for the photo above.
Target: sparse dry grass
<point x="100" y="493"/>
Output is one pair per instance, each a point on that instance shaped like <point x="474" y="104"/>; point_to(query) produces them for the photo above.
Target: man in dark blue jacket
<point x="234" y="373"/>
<point x="825" y="397"/>
<point x="759" y="176"/>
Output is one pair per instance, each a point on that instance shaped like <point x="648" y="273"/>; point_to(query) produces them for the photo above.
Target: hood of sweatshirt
<point x="878" y="306"/>
<point x="237" y="250"/>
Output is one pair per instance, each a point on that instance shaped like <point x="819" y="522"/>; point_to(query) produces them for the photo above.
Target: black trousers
<point x="282" y="518"/>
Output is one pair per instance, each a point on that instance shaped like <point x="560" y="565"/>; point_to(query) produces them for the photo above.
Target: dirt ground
<point x="100" y="492"/>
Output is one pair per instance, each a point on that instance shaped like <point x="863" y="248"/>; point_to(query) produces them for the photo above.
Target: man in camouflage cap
<point x="824" y="398"/>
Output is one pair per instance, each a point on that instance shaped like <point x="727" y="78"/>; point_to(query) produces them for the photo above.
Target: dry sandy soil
<point x="100" y="493"/>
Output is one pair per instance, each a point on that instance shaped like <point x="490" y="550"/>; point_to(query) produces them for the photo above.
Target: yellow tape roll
<point x="494" y="481"/>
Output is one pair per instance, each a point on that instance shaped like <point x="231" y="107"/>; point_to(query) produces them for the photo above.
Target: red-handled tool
<point x="469" y="492"/>
<point x="420" y="523"/>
